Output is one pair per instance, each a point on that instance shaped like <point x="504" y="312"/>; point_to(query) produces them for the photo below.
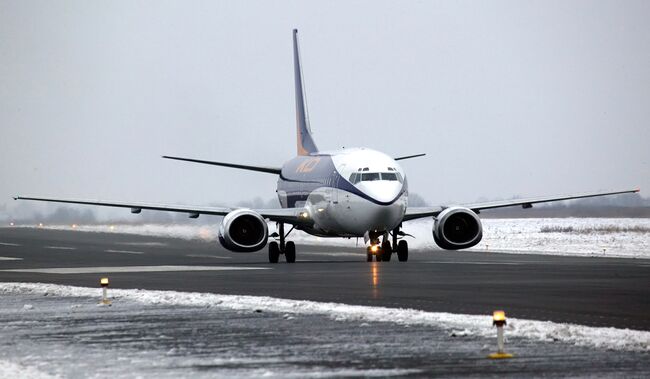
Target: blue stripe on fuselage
<point x="304" y="174"/>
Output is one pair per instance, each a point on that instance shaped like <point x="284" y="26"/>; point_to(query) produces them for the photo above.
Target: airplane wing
<point x="420" y="212"/>
<point x="288" y="215"/>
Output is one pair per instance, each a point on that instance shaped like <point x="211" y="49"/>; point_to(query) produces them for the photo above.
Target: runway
<point x="587" y="291"/>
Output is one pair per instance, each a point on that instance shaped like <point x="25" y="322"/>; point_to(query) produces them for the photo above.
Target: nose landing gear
<point x="288" y="248"/>
<point x="384" y="251"/>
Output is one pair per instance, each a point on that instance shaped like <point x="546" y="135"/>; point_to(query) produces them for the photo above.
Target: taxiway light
<point x="499" y="317"/>
<point x="104" y="282"/>
<point x="499" y="320"/>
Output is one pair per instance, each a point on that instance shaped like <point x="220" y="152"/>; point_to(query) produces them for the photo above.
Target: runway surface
<point x="587" y="291"/>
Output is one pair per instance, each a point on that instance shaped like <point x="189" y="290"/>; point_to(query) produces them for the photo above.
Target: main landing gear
<point x="288" y="248"/>
<point x="384" y="251"/>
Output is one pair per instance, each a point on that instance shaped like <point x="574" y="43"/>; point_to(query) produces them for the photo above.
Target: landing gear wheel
<point x="378" y="255"/>
<point x="403" y="251"/>
<point x="368" y="255"/>
<point x="274" y="252"/>
<point x="290" y="252"/>
<point x="387" y="251"/>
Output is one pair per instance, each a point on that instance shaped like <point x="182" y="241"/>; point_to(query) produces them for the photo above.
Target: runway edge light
<point x="499" y="320"/>
<point x="104" y="283"/>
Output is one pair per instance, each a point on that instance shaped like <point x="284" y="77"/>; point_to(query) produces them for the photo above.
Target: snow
<point x="10" y="369"/>
<point x="545" y="331"/>
<point x="502" y="235"/>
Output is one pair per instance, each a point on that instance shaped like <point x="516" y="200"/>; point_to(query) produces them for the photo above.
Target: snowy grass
<point x="546" y="331"/>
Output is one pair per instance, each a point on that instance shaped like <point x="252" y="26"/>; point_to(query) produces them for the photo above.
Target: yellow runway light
<point x="104" y="283"/>
<point x="499" y="320"/>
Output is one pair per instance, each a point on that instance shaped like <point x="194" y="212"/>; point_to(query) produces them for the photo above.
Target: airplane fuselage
<point x="347" y="193"/>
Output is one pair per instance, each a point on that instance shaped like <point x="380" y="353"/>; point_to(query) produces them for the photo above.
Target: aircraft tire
<point x="386" y="251"/>
<point x="274" y="252"/>
<point x="403" y="251"/>
<point x="290" y="252"/>
<point x="368" y="255"/>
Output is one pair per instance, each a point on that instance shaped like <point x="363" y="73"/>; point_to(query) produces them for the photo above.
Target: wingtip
<point x="16" y="197"/>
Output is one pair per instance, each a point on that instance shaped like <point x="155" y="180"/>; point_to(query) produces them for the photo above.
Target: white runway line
<point x="9" y="244"/>
<point x="59" y="247"/>
<point x="10" y="259"/>
<point x="206" y="256"/>
<point x="141" y="243"/>
<point x="341" y="254"/>
<point x="98" y="270"/>
<point x="476" y="263"/>
<point x="124" y="251"/>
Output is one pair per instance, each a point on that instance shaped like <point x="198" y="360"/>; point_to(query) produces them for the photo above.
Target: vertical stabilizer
<point x="305" y="141"/>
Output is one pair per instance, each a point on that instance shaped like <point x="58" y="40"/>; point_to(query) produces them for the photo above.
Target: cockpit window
<point x="372" y="176"/>
<point x="388" y="176"/>
<point x="369" y="176"/>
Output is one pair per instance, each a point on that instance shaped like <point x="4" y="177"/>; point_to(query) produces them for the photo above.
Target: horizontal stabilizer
<point x="410" y="156"/>
<point x="269" y="170"/>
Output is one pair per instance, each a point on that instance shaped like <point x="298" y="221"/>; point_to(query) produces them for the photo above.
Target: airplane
<point x="353" y="192"/>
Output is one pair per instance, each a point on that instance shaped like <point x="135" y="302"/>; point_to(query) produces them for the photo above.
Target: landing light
<point x="11" y="224"/>
<point x="74" y="226"/>
<point x="374" y="248"/>
<point x="304" y="214"/>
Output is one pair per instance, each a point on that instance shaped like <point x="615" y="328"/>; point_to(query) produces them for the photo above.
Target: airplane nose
<point x="383" y="191"/>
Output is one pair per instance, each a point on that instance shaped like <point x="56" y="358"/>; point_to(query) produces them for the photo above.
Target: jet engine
<point x="457" y="228"/>
<point x="243" y="231"/>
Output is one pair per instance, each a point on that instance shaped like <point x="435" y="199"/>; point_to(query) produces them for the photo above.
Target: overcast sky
<point x="506" y="98"/>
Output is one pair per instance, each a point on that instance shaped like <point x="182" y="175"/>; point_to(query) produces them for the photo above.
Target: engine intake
<point x="243" y="231"/>
<point x="457" y="228"/>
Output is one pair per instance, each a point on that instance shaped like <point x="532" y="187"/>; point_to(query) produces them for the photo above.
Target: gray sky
<point x="507" y="98"/>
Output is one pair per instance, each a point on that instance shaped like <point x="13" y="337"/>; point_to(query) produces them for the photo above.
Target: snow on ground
<point x="503" y="235"/>
<point x="10" y="369"/>
<point x="544" y="331"/>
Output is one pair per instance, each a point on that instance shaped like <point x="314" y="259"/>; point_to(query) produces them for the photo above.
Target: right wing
<point x="292" y="216"/>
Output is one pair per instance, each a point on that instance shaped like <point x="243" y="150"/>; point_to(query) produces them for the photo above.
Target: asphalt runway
<point x="588" y="291"/>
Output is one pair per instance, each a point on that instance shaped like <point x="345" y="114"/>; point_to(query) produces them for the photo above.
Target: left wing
<point x="420" y="212"/>
<point x="289" y="215"/>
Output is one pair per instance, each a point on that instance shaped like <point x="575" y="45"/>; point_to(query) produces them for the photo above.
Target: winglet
<point x="409" y="156"/>
<point x="305" y="142"/>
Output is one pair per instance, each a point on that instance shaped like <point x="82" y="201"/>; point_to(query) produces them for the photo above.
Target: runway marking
<point x="341" y="254"/>
<point x="206" y="256"/>
<point x="10" y="259"/>
<point x="59" y="247"/>
<point x="142" y="243"/>
<point x="476" y="263"/>
<point x="99" y="270"/>
<point x="123" y="251"/>
<point x="9" y="244"/>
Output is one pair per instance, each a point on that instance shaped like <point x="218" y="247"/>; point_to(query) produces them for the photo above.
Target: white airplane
<point x="346" y="193"/>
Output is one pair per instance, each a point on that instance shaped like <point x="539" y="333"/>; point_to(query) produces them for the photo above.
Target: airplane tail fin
<point x="305" y="141"/>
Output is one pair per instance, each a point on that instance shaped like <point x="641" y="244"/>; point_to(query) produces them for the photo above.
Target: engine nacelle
<point x="243" y="231"/>
<point x="457" y="228"/>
